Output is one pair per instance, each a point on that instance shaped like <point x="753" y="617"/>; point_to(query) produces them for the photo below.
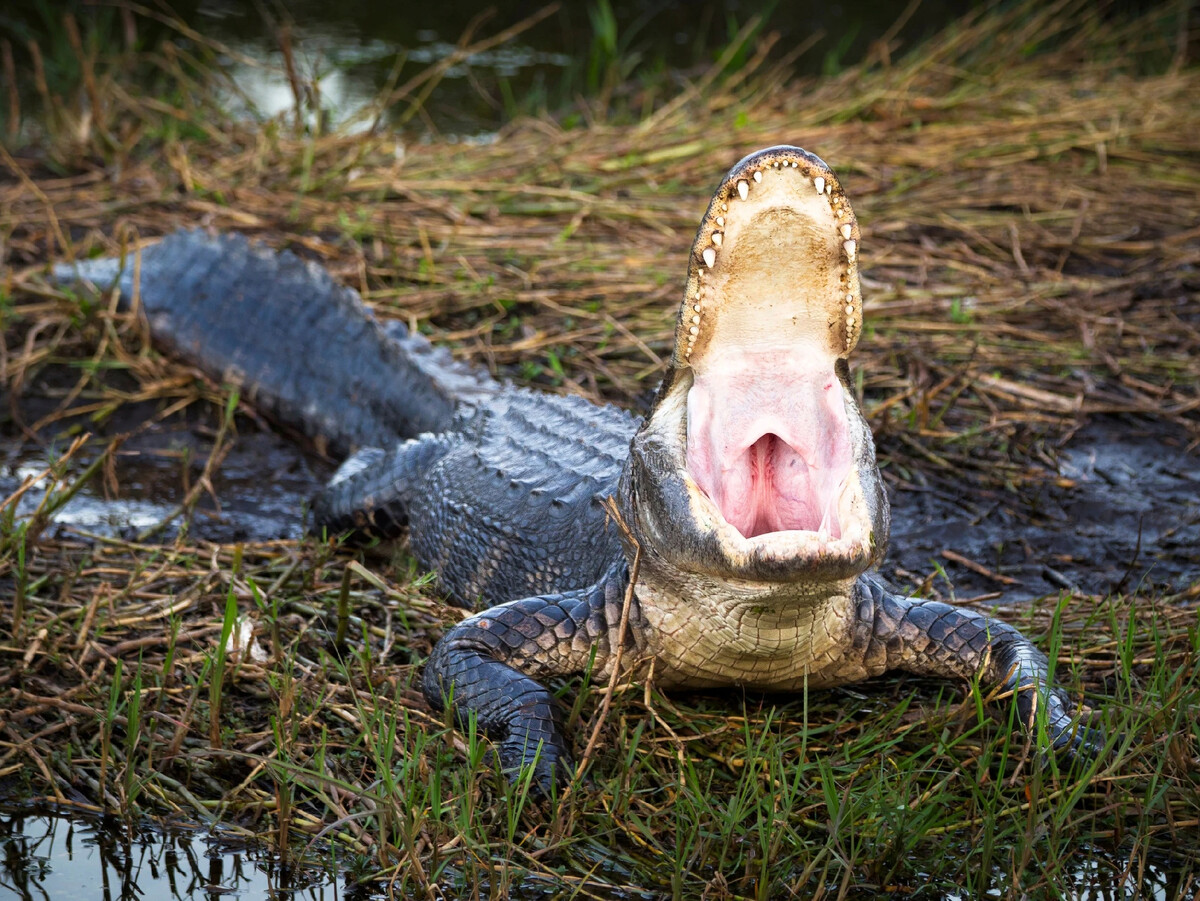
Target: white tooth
<point x="696" y="307"/>
<point x="849" y="298"/>
<point x="721" y="221"/>
<point x="693" y="330"/>
<point x="696" y="320"/>
<point x="717" y="238"/>
<point x="846" y="230"/>
<point x="743" y="190"/>
<point x="850" y="248"/>
<point x="710" y="256"/>
<point x="758" y="176"/>
<point x="849" y="308"/>
<point x="829" y="189"/>
<point x="820" y="183"/>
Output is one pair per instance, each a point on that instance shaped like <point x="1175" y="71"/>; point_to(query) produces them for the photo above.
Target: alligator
<point x="729" y="538"/>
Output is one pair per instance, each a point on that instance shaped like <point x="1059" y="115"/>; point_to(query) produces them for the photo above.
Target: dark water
<point x="48" y="856"/>
<point x="352" y="50"/>
<point x="347" y="56"/>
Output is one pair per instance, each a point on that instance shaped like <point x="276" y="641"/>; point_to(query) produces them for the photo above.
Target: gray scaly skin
<point x="752" y="500"/>
<point x="303" y="349"/>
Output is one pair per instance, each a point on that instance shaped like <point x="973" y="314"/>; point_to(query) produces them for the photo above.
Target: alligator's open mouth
<point x="774" y="440"/>
<point x="756" y="462"/>
<point x="772" y="303"/>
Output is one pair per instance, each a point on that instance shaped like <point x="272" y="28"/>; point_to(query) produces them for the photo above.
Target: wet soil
<point x="1122" y="512"/>
<point x="260" y="490"/>
<point x="1119" y="512"/>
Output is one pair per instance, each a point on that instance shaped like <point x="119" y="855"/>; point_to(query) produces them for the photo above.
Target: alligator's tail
<point x="302" y="348"/>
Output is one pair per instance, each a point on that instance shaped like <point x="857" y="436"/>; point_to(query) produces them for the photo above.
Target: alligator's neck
<point x="706" y="633"/>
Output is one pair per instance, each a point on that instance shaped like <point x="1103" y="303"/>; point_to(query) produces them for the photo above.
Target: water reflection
<point x="346" y="56"/>
<point x="45" y="856"/>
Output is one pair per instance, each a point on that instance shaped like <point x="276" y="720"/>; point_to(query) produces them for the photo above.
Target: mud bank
<point x="1122" y="513"/>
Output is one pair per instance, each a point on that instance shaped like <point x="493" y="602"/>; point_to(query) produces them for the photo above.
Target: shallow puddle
<point x="47" y="855"/>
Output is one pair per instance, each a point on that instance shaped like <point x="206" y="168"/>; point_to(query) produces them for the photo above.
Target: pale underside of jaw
<point x="776" y="287"/>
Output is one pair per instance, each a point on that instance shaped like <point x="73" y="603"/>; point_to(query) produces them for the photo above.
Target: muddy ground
<point x="1122" y="512"/>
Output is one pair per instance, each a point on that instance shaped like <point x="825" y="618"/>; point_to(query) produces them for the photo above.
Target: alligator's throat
<point x="768" y="442"/>
<point x="773" y="303"/>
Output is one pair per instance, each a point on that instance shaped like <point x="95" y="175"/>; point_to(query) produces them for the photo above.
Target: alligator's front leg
<point x="491" y="666"/>
<point x="930" y="638"/>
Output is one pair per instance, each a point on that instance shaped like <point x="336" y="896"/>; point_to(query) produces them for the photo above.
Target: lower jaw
<point x="782" y="558"/>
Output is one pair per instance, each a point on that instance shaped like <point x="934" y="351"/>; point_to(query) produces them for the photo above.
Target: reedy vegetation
<point x="1028" y="185"/>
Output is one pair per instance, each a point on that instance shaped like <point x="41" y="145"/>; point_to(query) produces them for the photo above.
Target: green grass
<point x="885" y="787"/>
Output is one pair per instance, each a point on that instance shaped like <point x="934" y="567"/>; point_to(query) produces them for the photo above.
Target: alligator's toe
<point x="1068" y="729"/>
<point x="550" y="761"/>
<point x="1078" y="738"/>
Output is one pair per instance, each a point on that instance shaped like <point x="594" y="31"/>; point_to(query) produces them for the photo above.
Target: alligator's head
<point x="756" y="463"/>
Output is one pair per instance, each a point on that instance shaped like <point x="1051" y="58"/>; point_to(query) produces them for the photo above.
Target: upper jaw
<point x="778" y="228"/>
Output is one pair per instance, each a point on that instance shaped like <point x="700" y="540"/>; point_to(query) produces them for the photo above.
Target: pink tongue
<point x="768" y="441"/>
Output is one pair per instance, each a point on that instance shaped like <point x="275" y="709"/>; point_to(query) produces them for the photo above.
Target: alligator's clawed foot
<point x="551" y="764"/>
<point x="1069" y="733"/>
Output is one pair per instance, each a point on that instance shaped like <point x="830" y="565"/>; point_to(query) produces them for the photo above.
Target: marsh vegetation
<point x="1028" y="188"/>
